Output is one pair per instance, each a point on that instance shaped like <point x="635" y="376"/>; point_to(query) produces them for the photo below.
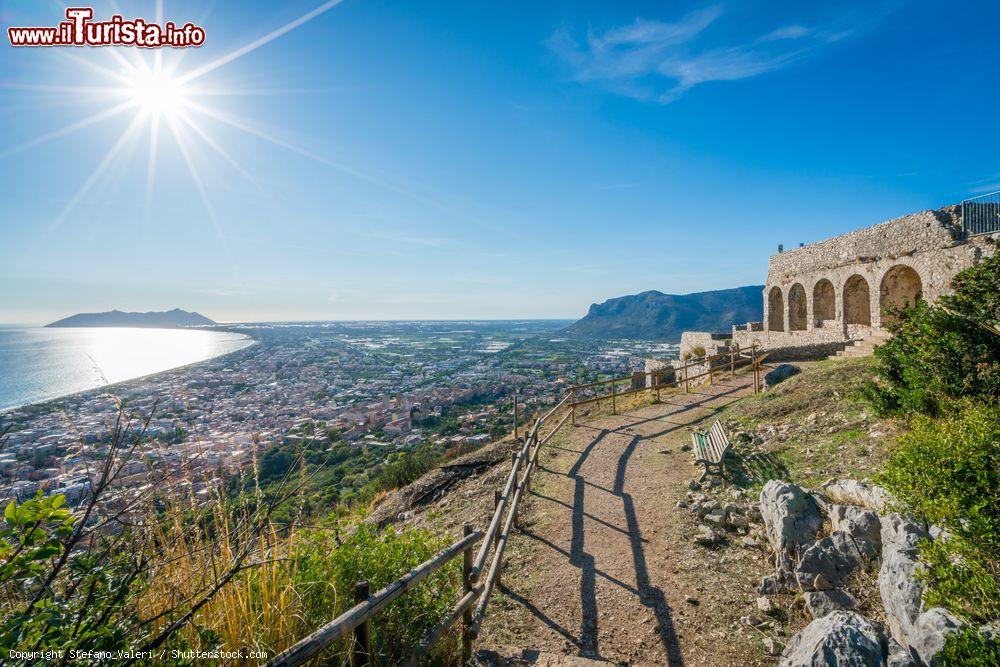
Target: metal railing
<point x="981" y="215"/>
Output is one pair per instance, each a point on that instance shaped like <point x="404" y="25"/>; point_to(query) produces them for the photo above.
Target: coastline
<point x="39" y="404"/>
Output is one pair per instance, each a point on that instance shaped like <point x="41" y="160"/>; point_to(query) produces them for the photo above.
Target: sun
<point x="156" y="93"/>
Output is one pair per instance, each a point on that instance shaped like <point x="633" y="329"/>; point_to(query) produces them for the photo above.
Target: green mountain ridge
<point x="657" y="316"/>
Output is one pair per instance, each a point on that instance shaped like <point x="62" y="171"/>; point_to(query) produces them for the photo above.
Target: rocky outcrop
<point x="781" y="373"/>
<point x="823" y="569"/>
<point x="931" y="631"/>
<point x="899" y="587"/>
<point x="829" y="563"/>
<point x="823" y="603"/>
<point x="862" y="525"/>
<point x="839" y="639"/>
<point x="853" y="492"/>
<point x="791" y="518"/>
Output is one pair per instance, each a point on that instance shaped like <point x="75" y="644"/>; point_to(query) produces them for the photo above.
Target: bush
<point x="939" y="353"/>
<point x="948" y="471"/>
<point x="698" y="351"/>
<point x="969" y="648"/>
<point x="327" y="572"/>
<point x="40" y="577"/>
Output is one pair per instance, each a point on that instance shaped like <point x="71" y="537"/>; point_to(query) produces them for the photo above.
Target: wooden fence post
<point x="361" y="655"/>
<point x="515" y="415"/>
<point x="732" y="363"/>
<point x="614" y="405"/>
<point x="513" y="508"/>
<point x="685" y="378"/>
<point x="467" y="614"/>
<point x="496" y="504"/>
<point x="572" y="404"/>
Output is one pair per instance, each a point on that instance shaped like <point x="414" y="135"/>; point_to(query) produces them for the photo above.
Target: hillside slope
<point x="663" y="317"/>
<point x="604" y="564"/>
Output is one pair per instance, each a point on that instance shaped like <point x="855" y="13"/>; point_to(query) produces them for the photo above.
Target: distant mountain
<point x="663" y="317"/>
<point x="168" y="319"/>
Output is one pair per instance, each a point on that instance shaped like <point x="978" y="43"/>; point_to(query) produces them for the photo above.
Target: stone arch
<point x="797" y="308"/>
<point x="775" y="310"/>
<point x="901" y="287"/>
<point x="857" y="301"/>
<point x="824" y="301"/>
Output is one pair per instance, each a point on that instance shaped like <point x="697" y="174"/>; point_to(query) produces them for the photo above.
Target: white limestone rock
<point x="931" y="631"/>
<point x="853" y="492"/>
<point x="839" y="639"/>
<point x="861" y="524"/>
<point x="899" y="588"/>
<point x="791" y="519"/>
<point x="823" y="603"/>
<point x="835" y="558"/>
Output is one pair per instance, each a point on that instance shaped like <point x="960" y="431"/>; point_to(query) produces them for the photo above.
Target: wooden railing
<point x="477" y="590"/>
<point x="471" y="608"/>
<point x="653" y="381"/>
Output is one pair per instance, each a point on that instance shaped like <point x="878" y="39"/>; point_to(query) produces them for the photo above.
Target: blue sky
<point x="466" y="159"/>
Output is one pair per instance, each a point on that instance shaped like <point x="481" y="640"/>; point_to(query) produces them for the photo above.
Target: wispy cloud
<point x="660" y="61"/>
<point x="985" y="185"/>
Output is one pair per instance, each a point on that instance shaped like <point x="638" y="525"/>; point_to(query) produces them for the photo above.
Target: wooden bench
<point x="710" y="448"/>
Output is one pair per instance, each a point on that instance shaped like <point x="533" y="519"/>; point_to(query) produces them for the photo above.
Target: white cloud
<point x="659" y="61"/>
<point x="985" y="185"/>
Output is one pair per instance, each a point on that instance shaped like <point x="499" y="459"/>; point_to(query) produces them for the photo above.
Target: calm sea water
<point x="40" y="364"/>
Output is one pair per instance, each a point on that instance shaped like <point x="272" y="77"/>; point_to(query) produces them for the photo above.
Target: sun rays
<point x="150" y="93"/>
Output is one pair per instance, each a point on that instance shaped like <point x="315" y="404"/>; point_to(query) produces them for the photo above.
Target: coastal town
<point x="386" y="386"/>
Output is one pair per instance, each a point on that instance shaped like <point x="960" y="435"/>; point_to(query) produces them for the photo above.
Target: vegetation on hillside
<point x="941" y="371"/>
<point x="163" y="570"/>
<point x="943" y="352"/>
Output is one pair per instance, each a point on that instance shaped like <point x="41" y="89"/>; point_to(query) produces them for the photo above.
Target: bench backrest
<point x="718" y="441"/>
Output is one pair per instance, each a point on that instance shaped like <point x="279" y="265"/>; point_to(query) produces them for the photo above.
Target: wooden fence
<point x="654" y="381"/>
<point x="471" y="607"/>
<point x="489" y="559"/>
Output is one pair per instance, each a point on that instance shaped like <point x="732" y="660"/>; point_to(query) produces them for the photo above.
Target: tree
<point x="945" y="351"/>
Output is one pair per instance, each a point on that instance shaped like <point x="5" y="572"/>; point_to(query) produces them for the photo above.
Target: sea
<point x="38" y="364"/>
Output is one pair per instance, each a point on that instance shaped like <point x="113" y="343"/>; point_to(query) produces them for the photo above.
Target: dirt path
<point x="604" y="566"/>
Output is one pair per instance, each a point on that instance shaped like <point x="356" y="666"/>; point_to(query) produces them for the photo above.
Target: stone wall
<point x="710" y="343"/>
<point x="822" y="295"/>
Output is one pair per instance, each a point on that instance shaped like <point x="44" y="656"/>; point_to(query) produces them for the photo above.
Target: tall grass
<point x="175" y="570"/>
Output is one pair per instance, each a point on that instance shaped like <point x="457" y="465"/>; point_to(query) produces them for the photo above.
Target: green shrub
<point x="969" y="648"/>
<point x="327" y="574"/>
<point x="54" y="596"/>
<point x="698" y="351"/>
<point x="948" y="471"/>
<point x="939" y="353"/>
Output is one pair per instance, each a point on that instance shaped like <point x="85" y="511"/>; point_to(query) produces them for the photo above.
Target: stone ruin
<point x="822" y="296"/>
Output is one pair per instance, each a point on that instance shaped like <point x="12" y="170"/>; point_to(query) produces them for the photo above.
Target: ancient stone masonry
<point x="823" y="295"/>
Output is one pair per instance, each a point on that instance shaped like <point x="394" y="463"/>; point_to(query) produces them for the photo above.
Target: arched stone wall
<point x="824" y="302"/>
<point x="901" y="287"/>
<point x="797" y="308"/>
<point x="775" y="310"/>
<point x="857" y="301"/>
